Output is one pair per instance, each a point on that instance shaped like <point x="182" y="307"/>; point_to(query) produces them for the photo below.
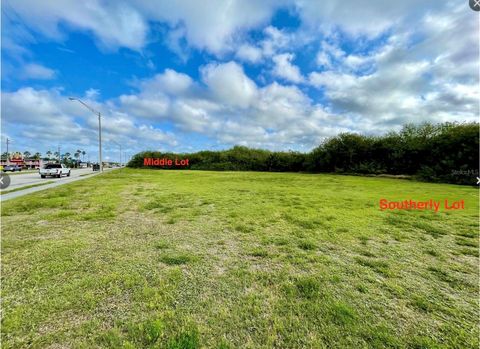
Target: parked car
<point x="11" y="168"/>
<point x="54" y="170"/>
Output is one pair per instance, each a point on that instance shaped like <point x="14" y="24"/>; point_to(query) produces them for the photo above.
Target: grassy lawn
<point x="185" y="259"/>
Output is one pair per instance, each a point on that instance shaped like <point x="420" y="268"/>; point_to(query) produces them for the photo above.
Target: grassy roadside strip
<point x="26" y="187"/>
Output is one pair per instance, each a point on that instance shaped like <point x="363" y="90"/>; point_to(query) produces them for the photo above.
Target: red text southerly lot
<point x="430" y="204"/>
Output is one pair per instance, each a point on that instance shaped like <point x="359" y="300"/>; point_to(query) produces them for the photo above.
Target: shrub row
<point x="447" y="152"/>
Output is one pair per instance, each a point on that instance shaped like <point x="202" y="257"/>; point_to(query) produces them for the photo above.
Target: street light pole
<point x="99" y="128"/>
<point x="100" y="141"/>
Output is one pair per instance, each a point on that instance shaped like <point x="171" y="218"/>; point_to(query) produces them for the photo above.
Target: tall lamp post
<point x="99" y="129"/>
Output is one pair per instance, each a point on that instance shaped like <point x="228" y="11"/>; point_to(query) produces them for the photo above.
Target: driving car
<point x="11" y="168"/>
<point x="54" y="170"/>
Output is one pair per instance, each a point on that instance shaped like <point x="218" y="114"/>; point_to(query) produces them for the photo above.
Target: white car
<point x="54" y="170"/>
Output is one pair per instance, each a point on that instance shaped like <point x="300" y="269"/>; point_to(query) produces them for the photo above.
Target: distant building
<point x="18" y="159"/>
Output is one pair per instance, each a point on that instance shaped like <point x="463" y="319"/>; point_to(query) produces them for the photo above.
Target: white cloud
<point x="37" y="71"/>
<point x="275" y="39"/>
<point x="232" y="109"/>
<point x="92" y="93"/>
<point x="249" y="53"/>
<point x="44" y="119"/>
<point x="428" y="79"/>
<point x="211" y="25"/>
<point x="285" y="69"/>
<point x="418" y="74"/>
<point x="275" y="42"/>
<point x="216" y="26"/>
<point x="229" y="84"/>
<point x="169" y="82"/>
<point x="146" y="106"/>
<point x="361" y="17"/>
<point x="153" y="102"/>
<point x="114" y="24"/>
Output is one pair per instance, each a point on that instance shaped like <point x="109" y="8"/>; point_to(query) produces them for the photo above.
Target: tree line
<point x="446" y="152"/>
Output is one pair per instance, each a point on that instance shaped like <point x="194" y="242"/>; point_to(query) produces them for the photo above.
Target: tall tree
<point x="77" y="156"/>
<point x="49" y="154"/>
<point x="26" y="154"/>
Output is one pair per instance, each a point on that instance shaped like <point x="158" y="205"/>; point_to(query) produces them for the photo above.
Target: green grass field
<point x="185" y="259"/>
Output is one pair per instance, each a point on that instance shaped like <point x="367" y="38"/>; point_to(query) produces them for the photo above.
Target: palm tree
<point x="37" y="156"/>
<point x="66" y="158"/>
<point x="49" y="154"/>
<point x="83" y="153"/>
<point x="77" y="155"/>
<point x="57" y="155"/>
<point x="26" y="154"/>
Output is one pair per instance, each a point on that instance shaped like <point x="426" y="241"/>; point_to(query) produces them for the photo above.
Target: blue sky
<point x="188" y="75"/>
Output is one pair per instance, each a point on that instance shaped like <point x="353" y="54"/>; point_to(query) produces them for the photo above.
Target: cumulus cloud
<point x="285" y="69"/>
<point x="249" y="53"/>
<point x="428" y="79"/>
<point x="211" y="25"/>
<point x="229" y="84"/>
<point x="46" y="119"/>
<point x="114" y="24"/>
<point x="215" y="26"/>
<point x="393" y="73"/>
<point x="170" y="82"/>
<point x="361" y="17"/>
<point x="232" y="109"/>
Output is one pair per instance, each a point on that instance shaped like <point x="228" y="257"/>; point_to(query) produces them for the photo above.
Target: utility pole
<point x="8" y="157"/>
<point x="100" y="142"/>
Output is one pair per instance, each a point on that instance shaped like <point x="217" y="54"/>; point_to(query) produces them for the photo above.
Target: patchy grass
<point x="186" y="259"/>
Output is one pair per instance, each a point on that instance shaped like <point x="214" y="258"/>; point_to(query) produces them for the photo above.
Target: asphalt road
<point x="27" y="179"/>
